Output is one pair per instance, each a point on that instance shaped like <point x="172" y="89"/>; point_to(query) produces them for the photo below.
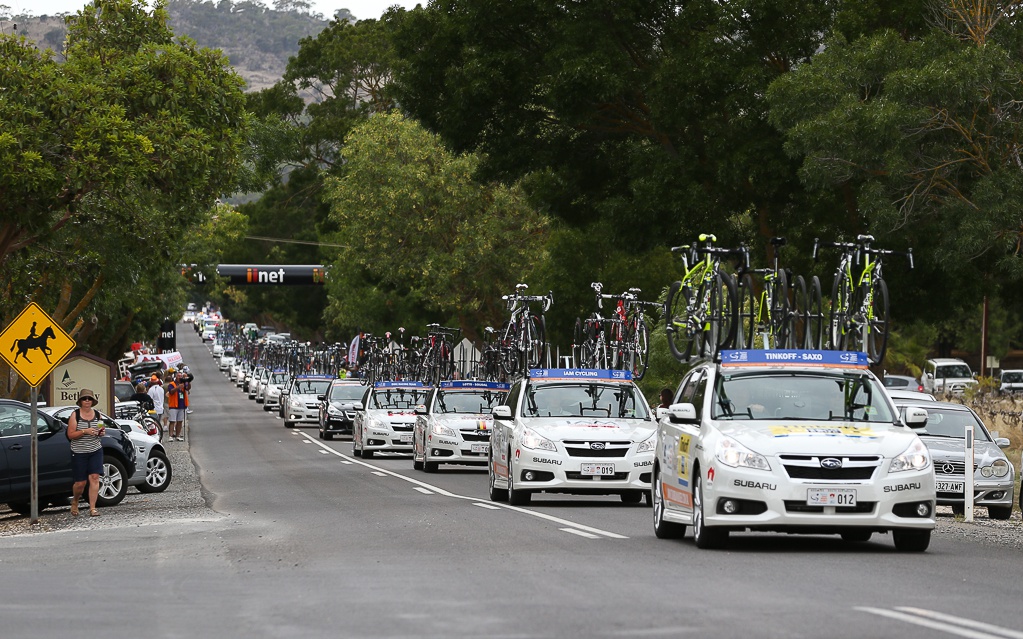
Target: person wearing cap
<point x="177" y="403"/>
<point x="156" y="394"/>
<point x="85" y="429"/>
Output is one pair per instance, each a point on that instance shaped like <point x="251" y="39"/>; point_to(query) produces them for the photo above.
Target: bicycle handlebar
<point x="860" y="246"/>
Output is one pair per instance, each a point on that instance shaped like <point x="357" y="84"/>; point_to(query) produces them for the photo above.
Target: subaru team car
<point x="251" y="386"/>
<point x="994" y="478"/>
<point x="270" y="390"/>
<point x="576" y="431"/>
<point x="791" y="441"/>
<point x="337" y="407"/>
<point x="301" y="403"/>
<point x="54" y="460"/>
<point x="384" y="421"/>
<point x="454" y="425"/>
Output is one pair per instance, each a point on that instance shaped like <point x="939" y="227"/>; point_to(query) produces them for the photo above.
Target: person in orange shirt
<point x="176" y="394"/>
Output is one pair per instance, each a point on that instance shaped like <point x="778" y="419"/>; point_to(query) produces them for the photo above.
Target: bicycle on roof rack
<point x="858" y="320"/>
<point x="523" y="338"/>
<point x="701" y="309"/>
<point x="438" y="360"/>
<point x="619" y="342"/>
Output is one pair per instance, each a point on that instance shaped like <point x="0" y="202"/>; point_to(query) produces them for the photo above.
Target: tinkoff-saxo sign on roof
<point x="33" y="344"/>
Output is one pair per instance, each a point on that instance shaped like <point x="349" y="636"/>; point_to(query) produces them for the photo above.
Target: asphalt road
<point x="309" y="541"/>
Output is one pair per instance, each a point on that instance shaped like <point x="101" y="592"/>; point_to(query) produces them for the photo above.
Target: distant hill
<point x="257" y="40"/>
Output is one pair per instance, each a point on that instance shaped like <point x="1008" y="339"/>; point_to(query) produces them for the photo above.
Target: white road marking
<point x="440" y="491"/>
<point x="579" y="532"/>
<point x="423" y="490"/>
<point x="487" y="506"/>
<point x="943" y="623"/>
<point x="323" y="452"/>
<point x="343" y="461"/>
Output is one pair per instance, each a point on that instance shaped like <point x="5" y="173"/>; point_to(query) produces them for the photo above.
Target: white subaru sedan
<point x="384" y="421"/>
<point x="454" y="425"/>
<point x="576" y="431"/>
<point x="791" y="441"/>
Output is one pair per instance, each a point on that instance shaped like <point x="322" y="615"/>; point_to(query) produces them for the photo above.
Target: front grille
<point x="949" y="467"/>
<point x="475" y="436"/>
<point x="402" y="426"/>
<point x="839" y="474"/>
<point x="616" y="476"/>
<point x="468" y="453"/>
<point x="607" y="449"/>
<point x="862" y="507"/>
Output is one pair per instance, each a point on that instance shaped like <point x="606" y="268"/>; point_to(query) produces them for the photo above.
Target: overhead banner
<point x="273" y="274"/>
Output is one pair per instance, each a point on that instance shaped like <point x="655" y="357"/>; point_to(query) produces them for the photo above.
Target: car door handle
<point x="15" y="447"/>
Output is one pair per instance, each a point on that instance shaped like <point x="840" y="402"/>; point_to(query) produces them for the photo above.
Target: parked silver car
<point x="994" y="477"/>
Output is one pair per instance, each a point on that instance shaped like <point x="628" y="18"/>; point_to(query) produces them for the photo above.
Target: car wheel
<point x="999" y="512"/>
<point x="23" y="508"/>
<point x="158" y="473"/>
<point x="959" y="510"/>
<point x="113" y="484"/>
<point x="516" y="497"/>
<point x="428" y="466"/>
<point x="417" y="464"/>
<point x="320" y="434"/>
<point x="633" y="497"/>
<point x="496" y="494"/>
<point x="663" y="529"/>
<point x="706" y="538"/>
<point x="857" y="536"/>
<point x="367" y="454"/>
<point x="327" y="436"/>
<point x="909" y="540"/>
<point x="288" y="424"/>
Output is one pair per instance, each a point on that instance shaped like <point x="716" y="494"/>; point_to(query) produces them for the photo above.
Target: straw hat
<point x="85" y="393"/>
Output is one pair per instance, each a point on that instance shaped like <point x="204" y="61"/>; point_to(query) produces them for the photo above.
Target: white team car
<point x="454" y="424"/>
<point x="301" y="404"/>
<point x="270" y="390"/>
<point x="385" y="420"/>
<point x="572" y="431"/>
<point x="791" y="441"/>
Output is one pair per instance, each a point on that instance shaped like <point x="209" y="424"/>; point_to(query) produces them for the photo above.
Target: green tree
<point x="411" y="214"/>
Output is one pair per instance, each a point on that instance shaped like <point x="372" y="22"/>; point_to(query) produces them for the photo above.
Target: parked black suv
<point x="54" y="458"/>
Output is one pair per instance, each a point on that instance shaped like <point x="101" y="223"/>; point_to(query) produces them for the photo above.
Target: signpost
<point x="34" y="333"/>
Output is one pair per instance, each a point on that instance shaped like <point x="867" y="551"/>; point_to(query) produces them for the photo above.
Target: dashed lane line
<point x="423" y="490"/>
<point x="376" y="470"/>
<point x="944" y="623"/>
<point x="581" y="533"/>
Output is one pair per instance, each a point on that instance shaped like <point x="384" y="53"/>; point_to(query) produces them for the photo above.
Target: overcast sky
<point x="361" y="9"/>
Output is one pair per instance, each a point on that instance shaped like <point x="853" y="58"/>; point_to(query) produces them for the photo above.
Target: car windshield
<point x="943" y="422"/>
<point x="397" y="397"/>
<point x="584" y="400"/>
<point x="279" y="378"/>
<point x="802" y="396"/>
<point x="1014" y="377"/>
<point x="310" y="386"/>
<point x="953" y="370"/>
<point x="347" y="393"/>
<point x="475" y="401"/>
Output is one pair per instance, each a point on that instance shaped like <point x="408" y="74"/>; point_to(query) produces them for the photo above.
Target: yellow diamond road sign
<point x="34" y="344"/>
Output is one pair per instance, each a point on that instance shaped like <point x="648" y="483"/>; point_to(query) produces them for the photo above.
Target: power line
<point x="278" y="239"/>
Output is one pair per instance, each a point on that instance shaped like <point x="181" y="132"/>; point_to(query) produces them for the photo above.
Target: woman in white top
<point x="156" y="392"/>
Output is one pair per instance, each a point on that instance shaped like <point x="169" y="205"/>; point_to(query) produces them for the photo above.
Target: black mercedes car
<point x="54" y="459"/>
<point x="337" y="407"/>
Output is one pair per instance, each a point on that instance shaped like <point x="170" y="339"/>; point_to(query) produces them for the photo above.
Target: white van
<point x="947" y="375"/>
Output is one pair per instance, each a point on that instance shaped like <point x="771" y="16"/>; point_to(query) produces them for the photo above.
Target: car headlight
<point x="731" y="453"/>
<point x="647" y="445"/>
<point x="532" y="440"/>
<point x="999" y="467"/>
<point x="916" y="457"/>
<point x="438" y="429"/>
<point x="332" y="410"/>
<point x="296" y="404"/>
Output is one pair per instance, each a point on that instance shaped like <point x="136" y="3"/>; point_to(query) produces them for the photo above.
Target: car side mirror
<point x="1002" y="442"/>
<point x="359" y="406"/>
<point x="915" y="417"/>
<point x="661" y="413"/>
<point x="502" y="412"/>
<point x="683" y="414"/>
<point x="420" y="409"/>
<point x="320" y="397"/>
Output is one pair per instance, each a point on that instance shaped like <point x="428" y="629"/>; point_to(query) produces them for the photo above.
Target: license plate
<point x="482" y="448"/>
<point x="405" y="438"/>
<point x="597" y="469"/>
<point x="831" y="497"/>
<point x="950" y="486"/>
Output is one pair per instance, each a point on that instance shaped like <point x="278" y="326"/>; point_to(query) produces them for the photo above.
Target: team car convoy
<point x="790" y="441"/>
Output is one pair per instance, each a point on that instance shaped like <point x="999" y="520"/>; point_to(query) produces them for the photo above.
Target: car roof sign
<point x="471" y="383"/>
<point x="794" y="357"/>
<point x="580" y="373"/>
<point x="399" y="385"/>
<point x="317" y="377"/>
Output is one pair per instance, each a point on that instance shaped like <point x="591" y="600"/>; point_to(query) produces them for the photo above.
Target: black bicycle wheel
<point x="639" y="349"/>
<point x="588" y="349"/>
<point x="798" y="313"/>
<point x="509" y="349"/>
<point x="536" y="335"/>
<point x="838" y="318"/>
<point x="723" y="324"/>
<point x="877" y="323"/>
<point x="745" y="335"/>
<point x="780" y="325"/>
<point x="814" y="316"/>
<point x="681" y="336"/>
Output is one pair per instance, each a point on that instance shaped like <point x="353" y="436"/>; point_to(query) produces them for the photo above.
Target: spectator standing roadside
<point x="142" y="397"/>
<point x="156" y="394"/>
<point x="665" y="398"/>
<point x="85" y="431"/>
<point x="177" y="403"/>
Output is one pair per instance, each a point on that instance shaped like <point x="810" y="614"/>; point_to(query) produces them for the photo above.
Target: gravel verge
<point x="183" y="500"/>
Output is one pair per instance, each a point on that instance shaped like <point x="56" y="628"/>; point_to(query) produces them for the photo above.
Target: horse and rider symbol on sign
<point x="33" y="330"/>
